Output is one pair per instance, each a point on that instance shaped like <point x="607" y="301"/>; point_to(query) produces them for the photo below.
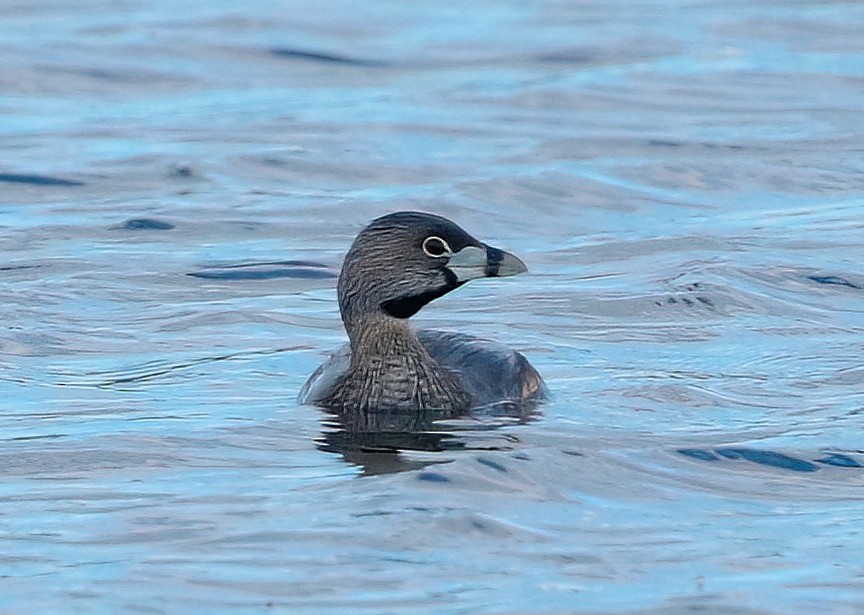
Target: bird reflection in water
<point x="381" y="442"/>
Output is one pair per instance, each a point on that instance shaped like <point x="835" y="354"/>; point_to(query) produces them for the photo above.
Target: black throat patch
<point x="407" y="306"/>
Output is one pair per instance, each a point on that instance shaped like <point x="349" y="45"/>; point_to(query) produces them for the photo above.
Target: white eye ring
<point x="435" y="247"/>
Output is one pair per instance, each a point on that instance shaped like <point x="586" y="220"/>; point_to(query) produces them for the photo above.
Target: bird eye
<point x="436" y="247"/>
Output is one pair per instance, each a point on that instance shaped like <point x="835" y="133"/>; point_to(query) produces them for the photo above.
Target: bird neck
<point x="389" y="346"/>
<point x="391" y="369"/>
<point x="378" y="334"/>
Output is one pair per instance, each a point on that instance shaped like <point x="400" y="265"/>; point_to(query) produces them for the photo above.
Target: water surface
<point x="684" y="180"/>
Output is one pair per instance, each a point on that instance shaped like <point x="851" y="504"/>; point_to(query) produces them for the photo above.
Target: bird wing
<point x="321" y="382"/>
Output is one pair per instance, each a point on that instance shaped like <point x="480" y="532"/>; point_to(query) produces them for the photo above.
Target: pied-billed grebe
<point x="396" y="265"/>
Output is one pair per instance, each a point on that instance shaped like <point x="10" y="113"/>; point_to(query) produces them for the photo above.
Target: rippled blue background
<point x="684" y="180"/>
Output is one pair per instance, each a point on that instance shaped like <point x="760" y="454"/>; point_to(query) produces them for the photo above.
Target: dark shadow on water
<point x="772" y="459"/>
<point x="143" y="224"/>
<point x="377" y="441"/>
<point x="324" y="58"/>
<point x="833" y="280"/>
<point x="306" y="270"/>
<point x="37" y="180"/>
<point x="840" y="460"/>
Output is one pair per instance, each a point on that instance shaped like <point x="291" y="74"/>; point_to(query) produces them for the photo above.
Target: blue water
<point x="683" y="179"/>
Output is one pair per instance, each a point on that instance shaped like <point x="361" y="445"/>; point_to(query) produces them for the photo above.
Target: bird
<point x="395" y="266"/>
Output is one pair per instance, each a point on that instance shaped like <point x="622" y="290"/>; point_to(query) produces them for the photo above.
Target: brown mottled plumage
<point x="390" y="367"/>
<point x="395" y="266"/>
